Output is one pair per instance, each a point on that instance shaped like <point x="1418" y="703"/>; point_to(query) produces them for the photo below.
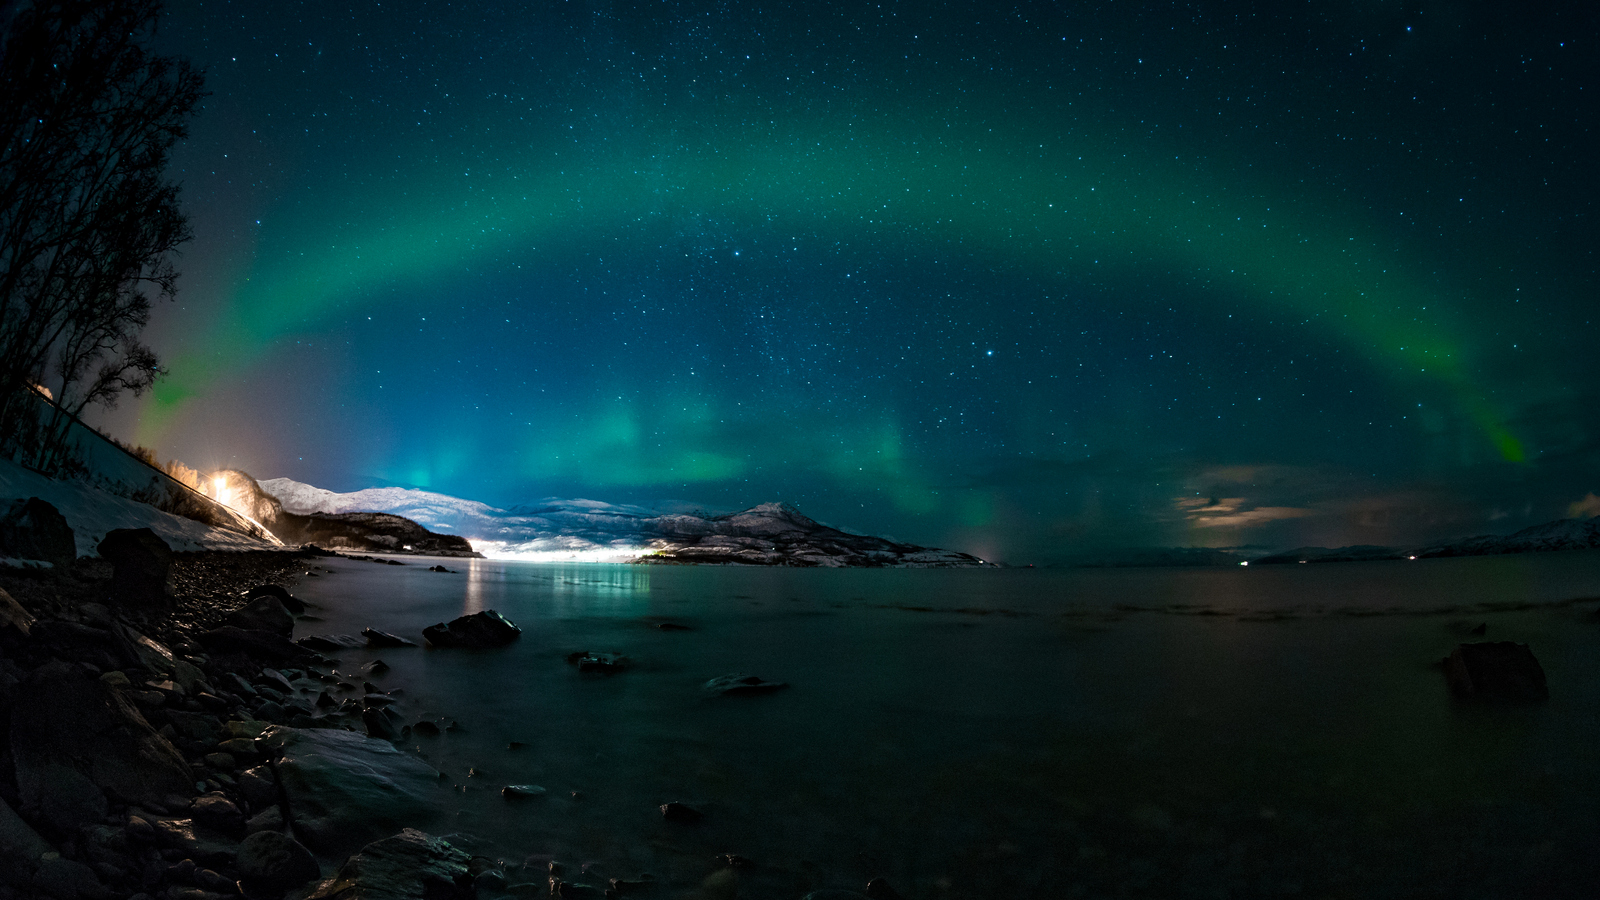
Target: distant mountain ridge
<point x="772" y="534"/>
<point x="1562" y="534"/>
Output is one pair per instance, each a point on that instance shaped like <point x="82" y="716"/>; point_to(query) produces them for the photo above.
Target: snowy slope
<point x="553" y="529"/>
<point x="92" y="512"/>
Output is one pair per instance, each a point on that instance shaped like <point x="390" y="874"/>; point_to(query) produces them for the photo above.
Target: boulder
<point x="194" y="841"/>
<point x="263" y="645"/>
<point x="67" y="879"/>
<point x="33" y="529"/>
<point x="596" y="661"/>
<point x="138" y="650"/>
<point x="727" y="685"/>
<point x="331" y="643"/>
<point x="1496" y="670"/>
<point x="140" y="561"/>
<point x="264" y="613"/>
<point x="479" y="630"/>
<point x="290" y="602"/>
<point x="66" y="728"/>
<point x="679" y="812"/>
<point x="376" y="638"/>
<point x="409" y="866"/>
<point x="270" y="862"/>
<point x="218" y="812"/>
<point x="341" y="789"/>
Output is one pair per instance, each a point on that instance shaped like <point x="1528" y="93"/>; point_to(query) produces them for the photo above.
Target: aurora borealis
<point x="1023" y="281"/>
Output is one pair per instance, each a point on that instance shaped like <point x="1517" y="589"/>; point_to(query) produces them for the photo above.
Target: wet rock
<point x="1496" y="670"/>
<point x="215" y="881"/>
<point x="12" y="615"/>
<point x="342" y="788"/>
<point x="264" y="613"/>
<point x="331" y="643"/>
<point x="376" y="667"/>
<point x="381" y="723"/>
<point x="479" y="630"/>
<point x="138" y="650"/>
<point x="269" y="819"/>
<point x="376" y="638"/>
<point x="140" y="561"/>
<point x="426" y="728"/>
<point x="218" y="812"/>
<point x="34" y="529"/>
<point x="672" y="626"/>
<point x="194" y="841"/>
<point x="67" y="879"/>
<point x="195" y="726"/>
<point x="263" y="645"/>
<point x="522" y="791"/>
<point x="678" y="812"/>
<point x="440" y="569"/>
<point x="67" y="729"/>
<point x="409" y="866"/>
<point x="727" y="685"/>
<point x="259" y="786"/>
<point x="290" y="602"/>
<point x="596" y="661"/>
<point x="270" y="862"/>
<point x="271" y="711"/>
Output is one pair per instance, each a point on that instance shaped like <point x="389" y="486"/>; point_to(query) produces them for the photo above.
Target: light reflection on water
<point x="1015" y="733"/>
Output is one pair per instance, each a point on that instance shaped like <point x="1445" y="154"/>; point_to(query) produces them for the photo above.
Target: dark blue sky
<point x="1027" y="281"/>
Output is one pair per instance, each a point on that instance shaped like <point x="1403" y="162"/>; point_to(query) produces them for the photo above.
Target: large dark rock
<point x="33" y="529"/>
<point x="376" y="638"/>
<point x="270" y="862"/>
<point x="737" y="685"/>
<point x="12" y="615"/>
<point x="264" y="613"/>
<point x="263" y="645"/>
<point x="69" y="732"/>
<point x="140" y="561"/>
<point x="1496" y="670"/>
<point x="290" y="602"/>
<point x="409" y="866"/>
<point x="481" y="629"/>
<point x="343" y="789"/>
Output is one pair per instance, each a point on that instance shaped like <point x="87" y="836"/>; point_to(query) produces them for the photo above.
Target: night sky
<point x="1028" y="281"/>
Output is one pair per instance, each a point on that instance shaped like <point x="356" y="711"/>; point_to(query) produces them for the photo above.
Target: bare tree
<point x="88" y="222"/>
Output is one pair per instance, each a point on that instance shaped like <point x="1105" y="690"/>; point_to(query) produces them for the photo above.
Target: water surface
<point x="1271" y="731"/>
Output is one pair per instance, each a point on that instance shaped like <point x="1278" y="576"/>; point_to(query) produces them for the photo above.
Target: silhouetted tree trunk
<point x="88" y="223"/>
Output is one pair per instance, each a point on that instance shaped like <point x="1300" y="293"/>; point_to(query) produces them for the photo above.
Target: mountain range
<point x="772" y="534"/>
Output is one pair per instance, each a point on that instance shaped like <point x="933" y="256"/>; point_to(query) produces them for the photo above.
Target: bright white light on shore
<point x="1411" y="557"/>
<point x="1245" y="563"/>
<point x="219" y="491"/>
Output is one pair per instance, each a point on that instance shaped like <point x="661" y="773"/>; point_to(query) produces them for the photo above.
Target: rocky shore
<point x="163" y="738"/>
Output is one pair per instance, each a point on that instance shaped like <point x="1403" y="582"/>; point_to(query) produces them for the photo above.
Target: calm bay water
<point x="1272" y="731"/>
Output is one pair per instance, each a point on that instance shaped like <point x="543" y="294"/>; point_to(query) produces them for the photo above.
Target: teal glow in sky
<point x="1028" y="282"/>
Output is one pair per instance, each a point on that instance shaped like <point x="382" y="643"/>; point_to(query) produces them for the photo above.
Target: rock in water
<point x="742" y="684"/>
<point x="140" y="562"/>
<point x="479" y="630"/>
<point x="70" y="733"/>
<point x="409" y="866"/>
<point x="273" y="862"/>
<point x="376" y="638"/>
<point x="262" y="645"/>
<point x="1496" y="670"/>
<point x="265" y="613"/>
<point x="331" y="643"/>
<point x="33" y="529"/>
<point x="342" y="789"/>
<point x="595" y="661"/>
<point x="290" y="602"/>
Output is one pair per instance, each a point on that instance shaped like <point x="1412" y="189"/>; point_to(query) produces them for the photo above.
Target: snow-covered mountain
<point x="555" y="529"/>
<point x="1562" y="534"/>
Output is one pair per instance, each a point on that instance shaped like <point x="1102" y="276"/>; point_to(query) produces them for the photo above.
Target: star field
<point x="1026" y="281"/>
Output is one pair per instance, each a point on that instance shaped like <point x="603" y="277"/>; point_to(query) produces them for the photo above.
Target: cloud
<point x="1583" y="509"/>
<point x="1235" y="512"/>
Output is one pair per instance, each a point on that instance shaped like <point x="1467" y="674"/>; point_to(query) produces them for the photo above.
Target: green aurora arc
<point x="1048" y="204"/>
